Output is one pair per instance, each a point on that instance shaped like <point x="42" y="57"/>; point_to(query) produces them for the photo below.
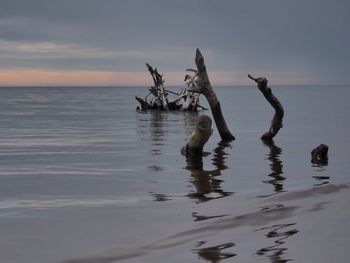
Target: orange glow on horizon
<point x="44" y="77"/>
<point x="70" y="78"/>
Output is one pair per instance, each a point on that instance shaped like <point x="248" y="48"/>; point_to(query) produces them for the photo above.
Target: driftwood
<point x="158" y="89"/>
<point x="319" y="155"/>
<point x="199" y="137"/>
<point x="276" y="123"/>
<point x="158" y="99"/>
<point x="144" y="104"/>
<point x="200" y="83"/>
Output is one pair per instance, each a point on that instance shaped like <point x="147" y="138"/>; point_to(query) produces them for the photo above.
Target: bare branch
<point x="201" y="84"/>
<point x="276" y="123"/>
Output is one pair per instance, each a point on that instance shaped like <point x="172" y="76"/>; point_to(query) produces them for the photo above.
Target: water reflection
<point x="277" y="252"/>
<point x="158" y="125"/>
<point x="321" y="180"/>
<point x="319" y="163"/>
<point x="160" y="197"/>
<point x="189" y="119"/>
<point x="214" y="254"/>
<point x="198" y="217"/>
<point x="154" y="127"/>
<point x="207" y="182"/>
<point x="276" y="167"/>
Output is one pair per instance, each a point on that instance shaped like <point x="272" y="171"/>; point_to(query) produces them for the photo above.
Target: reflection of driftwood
<point x="319" y="158"/>
<point x="201" y="134"/>
<point x="319" y="155"/>
<point x="215" y="254"/>
<point x="200" y="83"/>
<point x="276" y="123"/>
<point x="276" y="166"/>
<point x="276" y="252"/>
<point x="206" y="182"/>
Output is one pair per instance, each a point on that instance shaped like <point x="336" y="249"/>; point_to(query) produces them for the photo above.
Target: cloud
<point x="302" y="38"/>
<point x="52" y="50"/>
<point x="52" y="55"/>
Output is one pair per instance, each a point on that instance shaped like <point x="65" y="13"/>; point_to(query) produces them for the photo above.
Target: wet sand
<point x="276" y="229"/>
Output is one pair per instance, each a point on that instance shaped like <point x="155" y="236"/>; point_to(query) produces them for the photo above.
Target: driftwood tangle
<point x="276" y="122"/>
<point x="199" y="137"/>
<point x="158" y="92"/>
<point x="158" y="99"/>
<point x="319" y="155"/>
<point x="200" y="84"/>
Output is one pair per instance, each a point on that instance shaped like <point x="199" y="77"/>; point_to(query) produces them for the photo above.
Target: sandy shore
<point x="275" y="229"/>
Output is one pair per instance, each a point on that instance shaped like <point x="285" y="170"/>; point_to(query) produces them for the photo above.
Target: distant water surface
<point x="84" y="177"/>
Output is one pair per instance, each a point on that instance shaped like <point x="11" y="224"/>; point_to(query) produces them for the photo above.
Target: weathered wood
<point x="185" y="100"/>
<point x="200" y="83"/>
<point x="144" y="104"/>
<point x="276" y="122"/>
<point x="319" y="155"/>
<point x="190" y="101"/>
<point x="199" y="137"/>
<point x="158" y="85"/>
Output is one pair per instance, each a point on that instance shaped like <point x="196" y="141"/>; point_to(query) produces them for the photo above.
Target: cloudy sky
<point x="105" y="42"/>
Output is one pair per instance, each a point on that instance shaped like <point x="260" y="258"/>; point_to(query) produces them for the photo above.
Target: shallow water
<point x="86" y="178"/>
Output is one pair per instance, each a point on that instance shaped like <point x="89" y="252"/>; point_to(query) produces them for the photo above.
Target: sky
<point x="108" y="42"/>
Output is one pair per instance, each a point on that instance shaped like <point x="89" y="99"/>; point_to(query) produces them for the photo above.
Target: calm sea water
<point x="84" y="177"/>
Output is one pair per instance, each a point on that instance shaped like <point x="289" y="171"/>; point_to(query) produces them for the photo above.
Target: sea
<point x="87" y="178"/>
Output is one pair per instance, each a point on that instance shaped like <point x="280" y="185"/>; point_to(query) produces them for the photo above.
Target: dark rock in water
<point x="319" y="155"/>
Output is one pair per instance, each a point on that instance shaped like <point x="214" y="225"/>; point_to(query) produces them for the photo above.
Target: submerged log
<point x="200" y="84"/>
<point x="319" y="155"/>
<point x="199" y="137"/>
<point x="276" y="122"/>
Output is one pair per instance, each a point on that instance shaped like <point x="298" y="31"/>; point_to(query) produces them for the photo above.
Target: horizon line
<point x="145" y="86"/>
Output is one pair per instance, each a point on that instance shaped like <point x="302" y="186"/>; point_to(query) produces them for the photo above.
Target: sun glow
<point x="45" y="77"/>
<point x="42" y="77"/>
